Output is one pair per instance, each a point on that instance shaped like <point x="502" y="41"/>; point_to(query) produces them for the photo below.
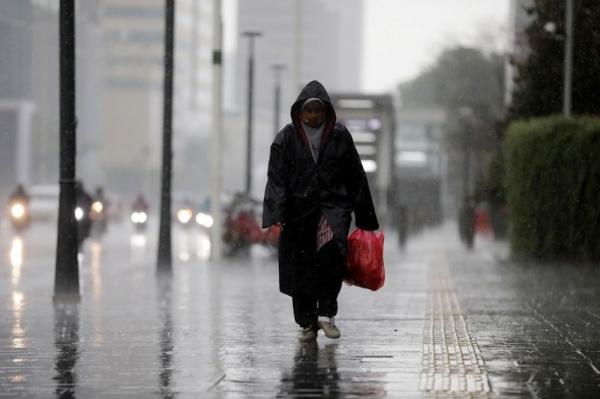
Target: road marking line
<point x="451" y="358"/>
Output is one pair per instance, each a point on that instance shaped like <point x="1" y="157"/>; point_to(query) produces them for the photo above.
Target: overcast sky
<point x="404" y="36"/>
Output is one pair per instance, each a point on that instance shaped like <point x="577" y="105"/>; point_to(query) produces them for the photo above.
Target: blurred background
<point x="425" y="87"/>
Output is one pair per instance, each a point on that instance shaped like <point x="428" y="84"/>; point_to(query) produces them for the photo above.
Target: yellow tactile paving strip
<point x="452" y="362"/>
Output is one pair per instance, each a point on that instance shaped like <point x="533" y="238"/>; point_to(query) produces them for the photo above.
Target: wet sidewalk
<point x="448" y="323"/>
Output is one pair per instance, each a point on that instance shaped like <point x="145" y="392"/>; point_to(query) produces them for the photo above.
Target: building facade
<point x="133" y="96"/>
<point x="312" y="39"/>
<point x="29" y="92"/>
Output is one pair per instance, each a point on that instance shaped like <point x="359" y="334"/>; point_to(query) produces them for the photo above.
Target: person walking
<point x="315" y="181"/>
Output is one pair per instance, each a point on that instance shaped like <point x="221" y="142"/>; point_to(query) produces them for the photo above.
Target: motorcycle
<point x="98" y="218"/>
<point x="84" y="224"/>
<point x="139" y="213"/>
<point x="242" y="227"/>
<point x="185" y="215"/>
<point x="139" y="218"/>
<point x="19" y="214"/>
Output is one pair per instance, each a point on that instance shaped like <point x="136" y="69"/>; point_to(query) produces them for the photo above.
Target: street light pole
<point x="164" y="261"/>
<point x="568" y="64"/>
<point x="277" y="96"/>
<point x="216" y="240"/>
<point x="251" y="35"/>
<point x="297" y="67"/>
<point x="66" y="279"/>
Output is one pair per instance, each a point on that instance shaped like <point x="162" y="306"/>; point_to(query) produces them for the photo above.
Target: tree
<point x="463" y="78"/>
<point x="539" y="77"/>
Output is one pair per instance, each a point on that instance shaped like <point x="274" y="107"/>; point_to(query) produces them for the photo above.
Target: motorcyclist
<point x="241" y="227"/>
<point x="18" y="203"/>
<point x="98" y="212"/>
<point x="20" y="194"/>
<point x="139" y="212"/>
<point x="140" y="204"/>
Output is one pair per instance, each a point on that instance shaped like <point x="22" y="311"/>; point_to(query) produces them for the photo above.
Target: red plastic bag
<point x="365" y="259"/>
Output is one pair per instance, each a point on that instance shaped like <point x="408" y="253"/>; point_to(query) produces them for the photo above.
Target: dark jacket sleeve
<point x="364" y="210"/>
<point x="275" y="192"/>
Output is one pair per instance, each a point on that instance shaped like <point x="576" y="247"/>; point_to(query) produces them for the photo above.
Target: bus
<point x="370" y="120"/>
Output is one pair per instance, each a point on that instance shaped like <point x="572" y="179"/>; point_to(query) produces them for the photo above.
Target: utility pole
<point x="216" y="248"/>
<point x="568" y="63"/>
<point x="164" y="261"/>
<point x="297" y="46"/>
<point x="66" y="278"/>
<point x="251" y="35"/>
<point x="278" y="68"/>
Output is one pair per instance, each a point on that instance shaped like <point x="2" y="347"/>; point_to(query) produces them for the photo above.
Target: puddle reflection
<point x="203" y="246"/>
<point x="191" y="244"/>
<point x="165" y="338"/>
<point x="18" y="332"/>
<point x="182" y="241"/>
<point x="16" y="255"/>
<point x="314" y="373"/>
<point x="138" y="248"/>
<point x="96" y="261"/>
<point x="66" y="342"/>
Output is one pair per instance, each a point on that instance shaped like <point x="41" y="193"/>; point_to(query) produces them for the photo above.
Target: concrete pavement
<point x="448" y="323"/>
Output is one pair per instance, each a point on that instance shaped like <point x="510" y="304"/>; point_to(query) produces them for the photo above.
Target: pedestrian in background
<point x="315" y="182"/>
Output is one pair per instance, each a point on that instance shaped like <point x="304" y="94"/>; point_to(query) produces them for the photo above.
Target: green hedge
<point x="553" y="187"/>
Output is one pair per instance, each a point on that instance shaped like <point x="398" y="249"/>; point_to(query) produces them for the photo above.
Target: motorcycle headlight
<point x="204" y="220"/>
<point x="139" y="217"/>
<point x="17" y="210"/>
<point x="78" y="213"/>
<point x="184" y="215"/>
<point x="97" y="207"/>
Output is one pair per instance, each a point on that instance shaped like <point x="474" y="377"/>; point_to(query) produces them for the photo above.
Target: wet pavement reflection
<point x="447" y="324"/>
<point x="66" y="342"/>
<point x="17" y="252"/>
<point x="165" y="338"/>
<point x="314" y="373"/>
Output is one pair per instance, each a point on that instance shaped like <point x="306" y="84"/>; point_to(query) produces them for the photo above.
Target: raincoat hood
<point x="313" y="89"/>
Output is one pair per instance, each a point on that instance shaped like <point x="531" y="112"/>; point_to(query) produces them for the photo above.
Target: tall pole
<point x="251" y="36"/>
<point x="194" y="57"/>
<point x="216" y="251"/>
<point x="277" y="97"/>
<point x="297" y="70"/>
<point x="164" y="261"/>
<point x="66" y="278"/>
<point x="568" y="63"/>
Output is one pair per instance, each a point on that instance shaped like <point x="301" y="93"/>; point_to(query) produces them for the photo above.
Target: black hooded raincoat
<point x="299" y="190"/>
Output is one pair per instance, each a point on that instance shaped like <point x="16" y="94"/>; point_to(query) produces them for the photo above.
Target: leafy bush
<point x="553" y="187"/>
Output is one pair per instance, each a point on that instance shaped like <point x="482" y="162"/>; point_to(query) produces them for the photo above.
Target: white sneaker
<point x="327" y="324"/>
<point x="307" y="334"/>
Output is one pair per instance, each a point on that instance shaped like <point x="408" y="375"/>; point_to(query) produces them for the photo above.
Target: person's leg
<point x="329" y="282"/>
<point x="305" y="314"/>
<point x="304" y="299"/>
<point x="330" y="270"/>
<point x="305" y="310"/>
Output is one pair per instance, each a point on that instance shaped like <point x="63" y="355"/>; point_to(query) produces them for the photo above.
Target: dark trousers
<point x="329" y="273"/>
